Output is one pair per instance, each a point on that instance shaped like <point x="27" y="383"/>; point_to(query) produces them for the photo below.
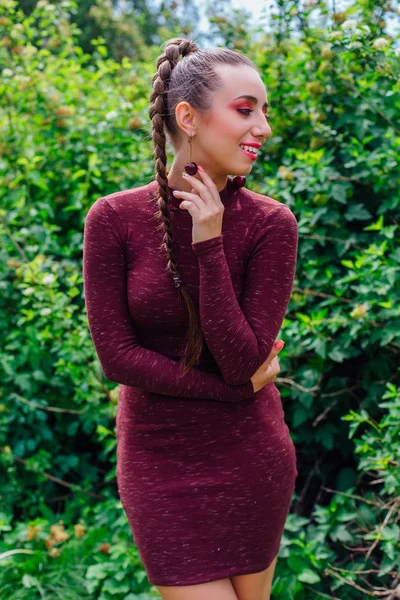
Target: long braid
<point x="158" y="111"/>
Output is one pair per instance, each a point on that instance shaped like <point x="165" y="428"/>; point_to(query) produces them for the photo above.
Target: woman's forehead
<point x="239" y="81"/>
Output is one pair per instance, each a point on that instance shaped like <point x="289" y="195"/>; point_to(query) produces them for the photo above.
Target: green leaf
<point x="302" y="317"/>
<point x="37" y="179"/>
<point x="391" y="532"/>
<point x="337" y="355"/>
<point x="309" y="576"/>
<point x="28" y="581"/>
<point x="347" y="263"/>
<point x="79" y="173"/>
<point x="114" y="587"/>
<point x="338" y="193"/>
<point x="377" y="226"/>
<point x="387" y="565"/>
<point x="300" y="416"/>
<point x="99" y="571"/>
<point x="357" y="212"/>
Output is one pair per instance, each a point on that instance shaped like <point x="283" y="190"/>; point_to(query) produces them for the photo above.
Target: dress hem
<point x="215" y="576"/>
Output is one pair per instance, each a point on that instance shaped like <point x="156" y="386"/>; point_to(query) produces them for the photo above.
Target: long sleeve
<point x="240" y="337"/>
<point x="111" y="326"/>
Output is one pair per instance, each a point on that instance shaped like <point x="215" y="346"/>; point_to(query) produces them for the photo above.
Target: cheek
<point x="221" y="123"/>
<point x="228" y="135"/>
<point x="223" y="133"/>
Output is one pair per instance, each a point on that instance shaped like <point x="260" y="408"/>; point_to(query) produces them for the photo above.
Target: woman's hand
<point x="205" y="206"/>
<point x="268" y="371"/>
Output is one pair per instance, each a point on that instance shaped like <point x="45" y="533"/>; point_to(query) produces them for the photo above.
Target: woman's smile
<point x="252" y="154"/>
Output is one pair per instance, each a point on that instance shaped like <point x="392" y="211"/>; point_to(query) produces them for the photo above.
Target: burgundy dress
<point x="206" y="468"/>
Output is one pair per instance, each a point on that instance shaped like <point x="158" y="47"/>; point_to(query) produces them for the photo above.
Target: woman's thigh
<point x="255" y="586"/>
<point x="221" y="589"/>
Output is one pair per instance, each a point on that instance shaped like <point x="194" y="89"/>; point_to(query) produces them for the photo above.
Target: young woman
<point x="187" y="280"/>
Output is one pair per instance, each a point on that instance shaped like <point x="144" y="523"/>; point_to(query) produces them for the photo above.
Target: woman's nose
<point x="262" y="129"/>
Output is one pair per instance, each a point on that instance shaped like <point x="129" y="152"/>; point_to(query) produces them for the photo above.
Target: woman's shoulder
<point x="122" y="199"/>
<point x="126" y="206"/>
<point x="265" y="206"/>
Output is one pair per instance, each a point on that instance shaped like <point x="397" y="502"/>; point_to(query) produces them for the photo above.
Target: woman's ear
<point x="185" y="117"/>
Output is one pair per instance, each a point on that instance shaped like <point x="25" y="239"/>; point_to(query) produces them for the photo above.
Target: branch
<point x="71" y="486"/>
<point x="14" y="241"/>
<point x="315" y="236"/>
<point x="324" y="595"/>
<point x="376" y="504"/>
<point x="357" y="587"/>
<point x="293" y="383"/>
<point x="321" y="294"/>
<point x="322" y="416"/>
<point x="307" y="482"/>
<point x="383" y="524"/>
<point x="353" y="88"/>
<point x="16" y="551"/>
<point x="48" y="408"/>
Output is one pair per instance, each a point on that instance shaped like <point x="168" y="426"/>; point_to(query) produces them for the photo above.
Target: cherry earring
<point x="238" y="181"/>
<point x="191" y="167"/>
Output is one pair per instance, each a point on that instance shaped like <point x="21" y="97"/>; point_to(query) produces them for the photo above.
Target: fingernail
<point x="279" y="344"/>
<point x="185" y="175"/>
<point x="200" y="168"/>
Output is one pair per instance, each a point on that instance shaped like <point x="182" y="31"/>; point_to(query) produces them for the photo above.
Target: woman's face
<point x="231" y="121"/>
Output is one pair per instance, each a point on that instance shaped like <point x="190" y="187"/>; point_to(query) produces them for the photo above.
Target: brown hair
<point x="193" y="80"/>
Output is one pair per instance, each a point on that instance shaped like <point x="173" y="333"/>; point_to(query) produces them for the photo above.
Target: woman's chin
<point x="243" y="170"/>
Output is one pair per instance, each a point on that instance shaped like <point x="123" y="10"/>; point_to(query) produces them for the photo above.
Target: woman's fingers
<point x="268" y="371"/>
<point x="206" y="188"/>
<point x="204" y="191"/>
<point x="210" y="184"/>
<point x="274" y="352"/>
<point x="194" y="199"/>
<point x="206" y="211"/>
<point x="275" y="365"/>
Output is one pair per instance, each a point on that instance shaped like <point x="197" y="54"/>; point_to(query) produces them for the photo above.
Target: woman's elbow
<point x="237" y="378"/>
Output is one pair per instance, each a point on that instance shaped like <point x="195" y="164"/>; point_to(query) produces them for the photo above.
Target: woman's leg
<point x="221" y="589"/>
<point x="255" y="586"/>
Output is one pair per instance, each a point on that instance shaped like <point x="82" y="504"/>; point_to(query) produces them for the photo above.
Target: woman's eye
<point x="247" y="111"/>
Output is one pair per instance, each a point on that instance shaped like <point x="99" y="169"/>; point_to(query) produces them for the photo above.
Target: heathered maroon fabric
<point x="206" y="468"/>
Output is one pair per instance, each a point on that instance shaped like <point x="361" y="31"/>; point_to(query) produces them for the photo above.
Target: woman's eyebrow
<point x="253" y="99"/>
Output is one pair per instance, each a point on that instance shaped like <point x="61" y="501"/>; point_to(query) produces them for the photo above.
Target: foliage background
<point x="74" y="94"/>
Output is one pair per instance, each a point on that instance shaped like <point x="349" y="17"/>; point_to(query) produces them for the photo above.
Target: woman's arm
<point x="122" y="359"/>
<point x="241" y="337"/>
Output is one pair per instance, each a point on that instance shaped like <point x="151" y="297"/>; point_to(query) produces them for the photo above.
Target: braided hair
<point x="192" y="79"/>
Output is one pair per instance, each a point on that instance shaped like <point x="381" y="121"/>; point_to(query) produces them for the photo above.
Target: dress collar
<point x="226" y="194"/>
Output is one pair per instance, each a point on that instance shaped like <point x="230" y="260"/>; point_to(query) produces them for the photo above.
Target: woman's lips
<point x="249" y="154"/>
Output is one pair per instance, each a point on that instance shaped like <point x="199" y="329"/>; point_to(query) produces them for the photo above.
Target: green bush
<point x="74" y="127"/>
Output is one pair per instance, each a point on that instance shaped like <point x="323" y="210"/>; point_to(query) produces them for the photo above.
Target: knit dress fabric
<point x="206" y="467"/>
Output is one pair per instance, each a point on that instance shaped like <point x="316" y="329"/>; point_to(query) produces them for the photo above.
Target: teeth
<point x="249" y="148"/>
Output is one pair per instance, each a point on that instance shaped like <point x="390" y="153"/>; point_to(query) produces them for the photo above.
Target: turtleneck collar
<point x="225" y="194"/>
